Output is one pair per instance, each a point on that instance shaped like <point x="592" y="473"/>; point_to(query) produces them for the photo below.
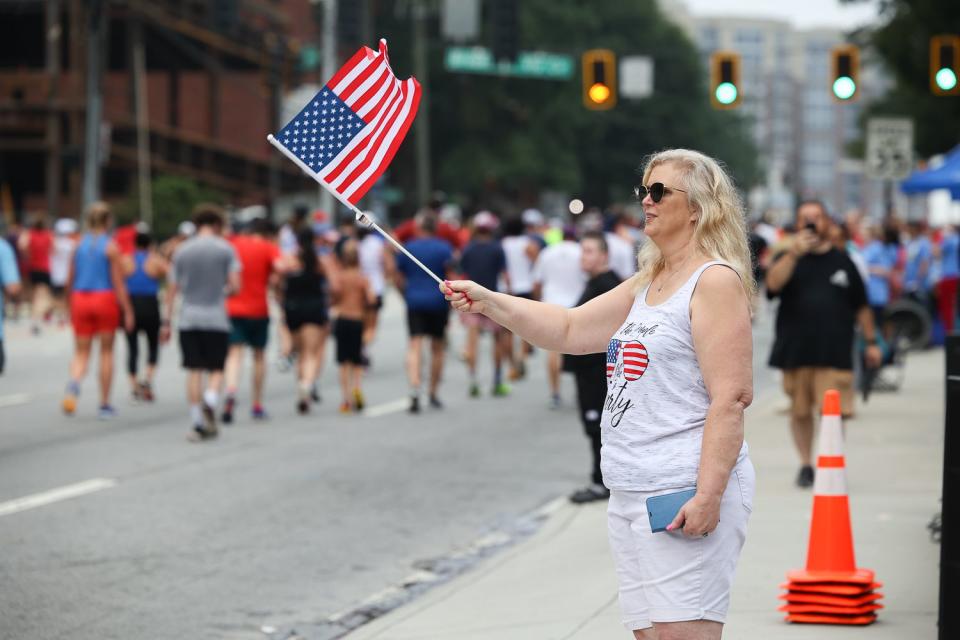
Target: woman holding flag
<point x="679" y="368"/>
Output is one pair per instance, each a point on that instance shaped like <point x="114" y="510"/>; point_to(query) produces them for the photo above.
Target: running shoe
<point x="474" y="390"/>
<point x="315" y="393"/>
<point x="345" y="407"/>
<point x="106" y="412"/>
<point x="210" y="418"/>
<point x="501" y="390"/>
<point x="358" y="402"/>
<point x="303" y="406"/>
<point x="199" y="434"/>
<point x="414" y="404"/>
<point x="435" y="402"/>
<point x="259" y="413"/>
<point x="555" y="401"/>
<point x="69" y="402"/>
<point x="146" y="392"/>
<point x="227" y="416"/>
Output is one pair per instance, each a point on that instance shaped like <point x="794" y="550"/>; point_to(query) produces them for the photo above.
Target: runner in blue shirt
<point x="880" y="263"/>
<point x="427" y="311"/>
<point x="9" y="284"/>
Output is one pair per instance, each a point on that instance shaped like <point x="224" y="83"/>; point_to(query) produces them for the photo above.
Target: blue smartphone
<point x="663" y="509"/>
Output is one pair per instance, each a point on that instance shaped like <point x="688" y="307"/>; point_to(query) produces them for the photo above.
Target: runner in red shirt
<point x="249" y="313"/>
<point x="36" y="245"/>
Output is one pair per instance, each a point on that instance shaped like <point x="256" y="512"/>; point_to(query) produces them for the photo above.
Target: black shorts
<point x="40" y="277"/>
<point x="378" y="304"/>
<point x="204" y="349"/>
<point x="349" y="336"/>
<point x="428" y="323"/>
<point x="296" y="317"/>
<point x="252" y="332"/>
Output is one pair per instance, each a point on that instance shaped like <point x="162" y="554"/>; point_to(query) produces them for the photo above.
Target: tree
<point x="902" y="43"/>
<point x="493" y="136"/>
<point x="174" y="198"/>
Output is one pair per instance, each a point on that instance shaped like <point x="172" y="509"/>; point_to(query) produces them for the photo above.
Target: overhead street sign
<point x="529" y="64"/>
<point x="889" y="148"/>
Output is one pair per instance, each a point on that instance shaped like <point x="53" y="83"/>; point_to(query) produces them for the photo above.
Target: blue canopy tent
<point x="946" y="176"/>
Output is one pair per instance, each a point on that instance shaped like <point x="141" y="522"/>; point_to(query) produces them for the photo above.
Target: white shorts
<point x="667" y="576"/>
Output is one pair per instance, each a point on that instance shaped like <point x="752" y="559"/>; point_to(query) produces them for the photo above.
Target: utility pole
<point x="419" y="14"/>
<point x="328" y="53"/>
<point x="140" y="108"/>
<point x="91" y="156"/>
<point x="275" y="82"/>
<point x="54" y="33"/>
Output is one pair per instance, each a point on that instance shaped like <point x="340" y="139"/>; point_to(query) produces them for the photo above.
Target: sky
<point x="802" y="13"/>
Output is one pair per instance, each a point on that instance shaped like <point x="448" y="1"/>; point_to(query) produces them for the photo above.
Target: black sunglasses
<point x="656" y="191"/>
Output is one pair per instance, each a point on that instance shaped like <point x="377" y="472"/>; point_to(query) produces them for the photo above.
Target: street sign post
<point x="529" y="64"/>
<point x="889" y="148"/>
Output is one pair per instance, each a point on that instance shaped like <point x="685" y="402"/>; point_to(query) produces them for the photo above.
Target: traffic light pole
<point x="329" y="67"/>
<point x="94" y="103"/>
<point x="419" y="16"/>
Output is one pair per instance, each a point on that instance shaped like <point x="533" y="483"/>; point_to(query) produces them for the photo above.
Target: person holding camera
<point x="822" y="298"/>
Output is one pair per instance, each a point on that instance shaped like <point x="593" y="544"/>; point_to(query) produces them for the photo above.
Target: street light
<point x="846" y="71"/>
<point x="725" y="80"/>
<point x="944" y="64"/>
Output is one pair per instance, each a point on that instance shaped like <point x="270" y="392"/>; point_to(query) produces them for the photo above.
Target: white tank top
<point x="656" y="406"/>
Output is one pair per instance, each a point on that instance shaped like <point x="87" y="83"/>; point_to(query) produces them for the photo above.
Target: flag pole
<point x="361" y="217"/>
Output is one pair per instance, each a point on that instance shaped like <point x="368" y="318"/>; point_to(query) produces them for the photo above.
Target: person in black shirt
<point x="822" y="297"/>
<point x="590" y="370"/>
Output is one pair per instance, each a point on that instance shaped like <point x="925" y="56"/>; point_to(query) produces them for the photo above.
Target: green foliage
<point x="903" y="44"/>
<point x="174" y="198"/>
<point x="493" y="136"/>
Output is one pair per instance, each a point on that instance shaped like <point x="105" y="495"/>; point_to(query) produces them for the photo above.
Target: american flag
<point x="635" y="359"/>
<point x="349" y="132"/>
<point x="613" y="350"/>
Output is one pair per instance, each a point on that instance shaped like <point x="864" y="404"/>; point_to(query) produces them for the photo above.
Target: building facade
<point x="802" y="133"/>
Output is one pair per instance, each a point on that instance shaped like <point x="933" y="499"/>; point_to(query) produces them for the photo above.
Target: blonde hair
<point x="720" y="232"/>
<point x="98" y="216"/>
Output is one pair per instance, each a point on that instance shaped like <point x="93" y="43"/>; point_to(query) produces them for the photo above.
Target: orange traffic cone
<point x="831" y="590"/>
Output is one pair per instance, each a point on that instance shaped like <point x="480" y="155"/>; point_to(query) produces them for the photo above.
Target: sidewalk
<point x="560" y="583"/>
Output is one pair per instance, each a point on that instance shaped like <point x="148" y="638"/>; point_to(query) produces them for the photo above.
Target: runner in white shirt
<point x="559" y="280"/>
<point x="373" y="265"/>
<point x="623" y="250"/>
<point x="63" y="245"/>
<point x="521" y="250"/>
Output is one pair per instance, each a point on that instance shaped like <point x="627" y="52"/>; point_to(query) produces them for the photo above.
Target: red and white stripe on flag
<point x="348" y="134"/>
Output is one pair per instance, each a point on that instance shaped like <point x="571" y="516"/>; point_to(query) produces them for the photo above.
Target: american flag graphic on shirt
<point x="349" y="132"/>
<point x="633" y="355"/>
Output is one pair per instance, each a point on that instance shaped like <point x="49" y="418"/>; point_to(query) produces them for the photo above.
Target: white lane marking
<point x="394" y="406"/>
<point x="55" y="495"/>
<point x="14" y="399"/>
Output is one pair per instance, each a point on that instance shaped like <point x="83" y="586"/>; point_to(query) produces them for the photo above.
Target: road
<point x="123" y="529"/>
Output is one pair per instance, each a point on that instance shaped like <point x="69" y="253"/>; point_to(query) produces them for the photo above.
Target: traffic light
<point x="350" y="15"/>
<point x="945" y="65"/>
<point x="845" y="72"/>
<point x="506" y="36"/>
<point x="599" y="79"/>
<point x="725" y="80"/>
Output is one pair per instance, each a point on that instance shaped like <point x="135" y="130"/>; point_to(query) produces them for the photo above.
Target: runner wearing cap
<point x="483" y="260"/>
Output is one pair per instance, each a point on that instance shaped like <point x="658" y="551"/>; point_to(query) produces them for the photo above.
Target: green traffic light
<point x="946" y="79"/>
<point x="844" y="87"/>
<point x="726" y="93"/>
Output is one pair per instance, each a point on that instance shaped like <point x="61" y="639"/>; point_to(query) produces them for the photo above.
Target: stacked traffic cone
<point x="831" y="590"/>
